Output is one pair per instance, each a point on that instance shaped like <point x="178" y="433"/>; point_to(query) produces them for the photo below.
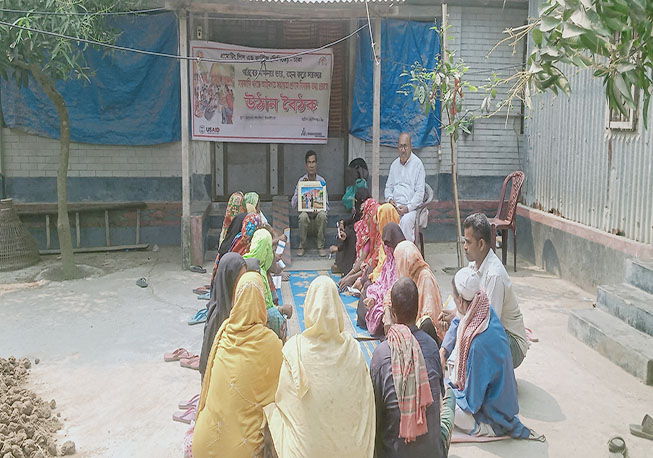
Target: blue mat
<point x="299" y="283"/>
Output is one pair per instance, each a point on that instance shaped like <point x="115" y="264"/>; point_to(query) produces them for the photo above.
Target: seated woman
<point x="235" y="206"/>
<point x="243" y="239"/>
<point x="379" y="291"/>
<point x="368" y="243"/>
<point x="242" y="375"/>
<point x="411" y="264"/>
<point x="229" y="271"/>
<point x="261" y="249"/>
<point x="324" y="406"/>
<point x="345" y="247"/>
<point x="486" y="394"/>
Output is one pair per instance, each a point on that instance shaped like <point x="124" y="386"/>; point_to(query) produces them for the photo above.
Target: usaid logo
<point x="209" y="130"/>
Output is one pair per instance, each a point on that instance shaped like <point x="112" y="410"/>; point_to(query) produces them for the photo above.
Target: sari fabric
<point x="242" y="241"/>
<point x="252" y="198"/>
<point x="385" y="214"/>
<point x="324" y="406"/>
<point x="222" y="292"/>
<point x="235" y="206"/>
<point x="411" y="264"/>
<point x="367" y="231"/>
<point x="241" y="377"/>
<point x="261" y="249"/>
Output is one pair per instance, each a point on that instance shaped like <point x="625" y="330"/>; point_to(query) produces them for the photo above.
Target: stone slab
<point x="639" y="273"/>
<point x="628" y="303"/>
<point x="614" y="339"/>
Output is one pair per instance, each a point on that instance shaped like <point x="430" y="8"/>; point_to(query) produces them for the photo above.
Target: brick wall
<point x="29" y="155"/>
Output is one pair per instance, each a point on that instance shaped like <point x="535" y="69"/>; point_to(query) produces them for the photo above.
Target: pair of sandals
<point x="617" y="444"/>
<point x="185" y="358"/>
<point x="200" y="317"/>
<point x="189" y="410"/>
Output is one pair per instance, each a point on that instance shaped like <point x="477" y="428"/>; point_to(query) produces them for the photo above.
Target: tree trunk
<point x="459" y="231"/>
<point x="63" y="223"/>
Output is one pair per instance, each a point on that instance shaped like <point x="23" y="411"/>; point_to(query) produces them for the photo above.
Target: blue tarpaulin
<point x="132" y="99"/>
<point x="402" y="44"/>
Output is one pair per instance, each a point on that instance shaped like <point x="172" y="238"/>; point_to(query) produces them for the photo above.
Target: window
<point x="618" y="121"/>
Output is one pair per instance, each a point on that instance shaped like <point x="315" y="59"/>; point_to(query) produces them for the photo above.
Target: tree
<point x="447" y="84"/>
<point x="49" y="59"/>
<point x="611" y="37"/>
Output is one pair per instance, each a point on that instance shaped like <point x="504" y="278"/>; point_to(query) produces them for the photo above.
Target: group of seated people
<point x="313" y="395"/>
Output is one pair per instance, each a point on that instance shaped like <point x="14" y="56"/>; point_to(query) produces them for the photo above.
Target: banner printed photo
<point x="283" y="101"/>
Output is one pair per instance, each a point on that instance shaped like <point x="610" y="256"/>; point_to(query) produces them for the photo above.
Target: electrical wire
<point x="81" y="13"/>
<point x="369" y="24"/>
<point x="175" y="56"/>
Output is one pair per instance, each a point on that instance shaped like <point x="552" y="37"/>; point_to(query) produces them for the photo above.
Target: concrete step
<point x="623" y="345"/>
<point x="640" y="274"/>
<point x="212" y="238"/>
<point x="210" y="255"/>
<point x="329" y="238"/>
<point x="628" y="303"/>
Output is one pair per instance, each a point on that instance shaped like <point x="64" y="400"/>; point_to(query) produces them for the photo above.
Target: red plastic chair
<point x="509" y="221"/>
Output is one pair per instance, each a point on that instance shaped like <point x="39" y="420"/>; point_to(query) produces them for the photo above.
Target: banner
<point x="240" y="99"/>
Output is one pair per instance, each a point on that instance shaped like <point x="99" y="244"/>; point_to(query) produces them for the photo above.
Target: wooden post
<point x="185" y="143"/>
<point x="376" y="113"/>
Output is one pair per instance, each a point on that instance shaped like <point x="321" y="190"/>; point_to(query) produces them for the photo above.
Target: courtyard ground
<point x="101" y="341"/>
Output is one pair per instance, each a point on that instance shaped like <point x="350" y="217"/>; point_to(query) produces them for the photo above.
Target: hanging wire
<point x="175" y="56"/>
<point x="369" y="24"/>
<point x="81" y="13"/>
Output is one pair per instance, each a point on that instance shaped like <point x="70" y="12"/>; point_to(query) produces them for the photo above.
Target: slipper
<point x="530" y="335"/>
<point x="179" y="353"/>
<point x="141" y="282"/>
<point x="200" y="317"/>
<point x="644" y="430"/>
<point x="197" y="269"/>
<point x="617" y="447"/>
<point x="204" y="297"/>
<point x="185" y="417"/>
<point x="285" y="276"/>
<point x="202" y="290"/>
<point x="191" y="363"/>
<point x="192" y="402"/>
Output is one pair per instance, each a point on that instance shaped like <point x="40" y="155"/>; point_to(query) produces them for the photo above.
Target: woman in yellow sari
<point x="241" y="377"/>
<point x="324" y="405"/>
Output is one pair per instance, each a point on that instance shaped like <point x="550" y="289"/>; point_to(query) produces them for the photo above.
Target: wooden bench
<point x="76" y="208"/>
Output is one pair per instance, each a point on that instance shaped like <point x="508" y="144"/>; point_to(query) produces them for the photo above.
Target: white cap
<point x="467" y="283"/>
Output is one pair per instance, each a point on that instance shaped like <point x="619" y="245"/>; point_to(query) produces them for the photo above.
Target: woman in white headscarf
<point x="324" y="406"/>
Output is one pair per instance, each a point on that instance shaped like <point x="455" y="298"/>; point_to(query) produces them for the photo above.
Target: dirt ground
<point x="101" y="340"/>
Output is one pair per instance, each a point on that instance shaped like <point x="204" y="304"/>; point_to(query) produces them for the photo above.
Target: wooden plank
<point x="376" y="113"/>
<point x="142" y="246"/>
<point x="185" y="143"/>
<point x="47" y="231"/>
<point x="78" y="233"/>
<point x="82" y="207"/>
<point x="138" y="226"/>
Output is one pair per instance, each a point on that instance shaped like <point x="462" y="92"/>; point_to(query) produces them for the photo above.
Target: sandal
<point x="617" y="447"/>
<point x="530" y="335"/>
<point x="204" y="297"/>
<point x="179" y="353"/>
<point x="645" y="430"/>
<point x="192" y="402"/>
<point x="142" y="282"/>
<point x="185" y="417"/>
<point x="200" y="317"/>
<point x="202" y="290"/>
<point x="197" y="269"/>
<point x="191" y="363"/>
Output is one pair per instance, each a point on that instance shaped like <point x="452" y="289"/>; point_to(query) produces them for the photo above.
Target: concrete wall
<point x="579" y="253"/>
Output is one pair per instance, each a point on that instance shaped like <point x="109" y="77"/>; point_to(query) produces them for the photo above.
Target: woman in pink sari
<point x="376" y="292"/>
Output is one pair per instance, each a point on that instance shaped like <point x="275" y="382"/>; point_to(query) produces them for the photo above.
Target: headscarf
<point x="232" y="232"/>
<point x="235" y="206"/>
<point x="367" y="230"/>
<point x="222" y="291"/>
<point x="392" y="235"/>
<point x="411" y="381"/>
<point x="361" y="195"/>
<point x="241" y="377"/>
<point x="252" y="198"/>
<point x="385" y="214"/>
<point x="241" y="243"/>
<point x="411" y="264"/>
<point x="476" y="321"/>
<point x="316" y="411"/>
<point x="261" y="249"/>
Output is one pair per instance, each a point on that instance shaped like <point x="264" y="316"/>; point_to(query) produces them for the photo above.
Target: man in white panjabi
<point x="405" y="186"/>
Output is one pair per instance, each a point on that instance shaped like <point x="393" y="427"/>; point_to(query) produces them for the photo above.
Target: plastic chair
<point x="422" y="217"/>
<point x="509" y="221"/>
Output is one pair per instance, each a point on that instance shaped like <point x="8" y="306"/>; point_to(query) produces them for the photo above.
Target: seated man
<point x="317" y="220"/>
<point x="483" y="377"/>
<point x="408" y="422"/>
<point x="405" y="186"/>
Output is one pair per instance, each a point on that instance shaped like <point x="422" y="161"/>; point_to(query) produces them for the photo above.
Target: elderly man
<point x="405" y="186"/>
<point x="483" y="377"/>
<point x="495" y="283"/>
<point x="408" y="422"/>
<point x="314" y="221"/>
